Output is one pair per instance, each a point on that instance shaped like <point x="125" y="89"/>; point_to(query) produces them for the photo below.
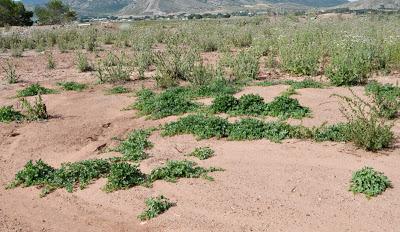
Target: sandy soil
<point x="290" y="186"/>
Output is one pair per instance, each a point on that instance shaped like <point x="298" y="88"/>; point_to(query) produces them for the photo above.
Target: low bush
<point x="51" y="63"/>
<point x="203" y="127"/>
<point x="365" y="128"/>
<point x="281" y="106"/>
<point x="33" y="90"/>
<point x="122" y="176"/>
<point x="173" y="101"/>
<point x="155" y="207"/>
<point x="113" y="69"/>
<point x="9" y="114"/>
<point x="133" y="148"/>
<point x="369" y="182"/>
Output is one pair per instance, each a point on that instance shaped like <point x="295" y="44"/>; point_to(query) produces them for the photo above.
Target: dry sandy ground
<point x="292" y="186"/>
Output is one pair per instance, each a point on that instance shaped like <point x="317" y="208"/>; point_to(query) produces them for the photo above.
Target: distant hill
<point x="373" y="4"/>
<point x="156" y="7"/>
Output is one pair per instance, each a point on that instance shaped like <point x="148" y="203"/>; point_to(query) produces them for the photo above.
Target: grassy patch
<point x="202" y="153"/>
<point x="9" y="114"/>
<point x="369" y="182"/>
<point x="170" y="102"/>
<point x="386" y="97"/>
<point x="155" y="207"/>
<point x="175" y="169"/>
<point x="122" y="176"/>
<point x="304" y="84"/>
<point x="72" y="86"/>
<point x="133" y="148"/>
<point x="33" y="90"/>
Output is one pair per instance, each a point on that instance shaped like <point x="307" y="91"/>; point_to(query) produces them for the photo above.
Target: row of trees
<point x="13" y="13"/>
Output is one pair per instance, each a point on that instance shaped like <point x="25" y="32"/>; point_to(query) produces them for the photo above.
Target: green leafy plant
<point x="155" y="207"/>
<point x="386" y="98"/>
<point x="369" y="182"/>
<point x="202" y="153"/>
<point x="286" y="107"/>
<point x="365" y="128"/>
<point x="118" y="90"/>
<point x="33" y="90"/>
<point x="33" y="174"/>
<point x="304" y="84"/>
<point x="122" y="176"/>
<point x="133" y="148"/>
<point x="174" y="170"/>
<point x="35" y="111"/>
<point x="10" y="73"/>
<point x="224" y="103"/>
<point x="203" y="127"/>
<point x="173" y="101"/>
<point x="72" y="86"/>
<point x="9" y="114"/>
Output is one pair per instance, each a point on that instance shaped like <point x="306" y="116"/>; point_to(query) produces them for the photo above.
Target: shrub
<point x="386" y="98"/>
<point x="224" y="103"/>
<point x="349" y="67"/>
<point x="365" y="128"/>
<point x="122" y="176"/>
<point x="133" y="148"/>
<point x="286" y="107"/>
<point x="170" y="102"/>
<point x="33" y="90"/>
<point x="32" y="174"/>
<point x="10" y="74"/>
<point x="82" y="63"/>
<point x="155" y="207"/>
<point x="369" y="182"/>
<point x="335" y="133"/>
<point x="35" y="111"/>
<point x="244" y="67"/>
<point x="72" y="86"/>
<point x="8" y="114"/>
<point x="144" y="58"/>
<point x="173" y="65"/>
<point x="202" y="75"/>
<point x="250" y="104"/>
<point x="203" y="127"/>
<point x="174" y="170"/>
<point x="113" y="69"/>
<point x="202" y="153"/>
<point x="81" y="174"/>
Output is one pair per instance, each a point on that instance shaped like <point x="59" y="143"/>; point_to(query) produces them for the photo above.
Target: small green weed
<point x="51" y="63"/>
<point x="369" y="182"/>
<point x="72" y="86"/>
<point x="35" y="111"/>
<point x="133" y="148"/>
<point x="118" y="90"/>
<point x="10" y="73"/>
<point x="155" y="207"/>
<point x="9" y="114"/>
<point x="202" y="153"/>
<point x="34" y="90"/>
<point x="175" y="169"/>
